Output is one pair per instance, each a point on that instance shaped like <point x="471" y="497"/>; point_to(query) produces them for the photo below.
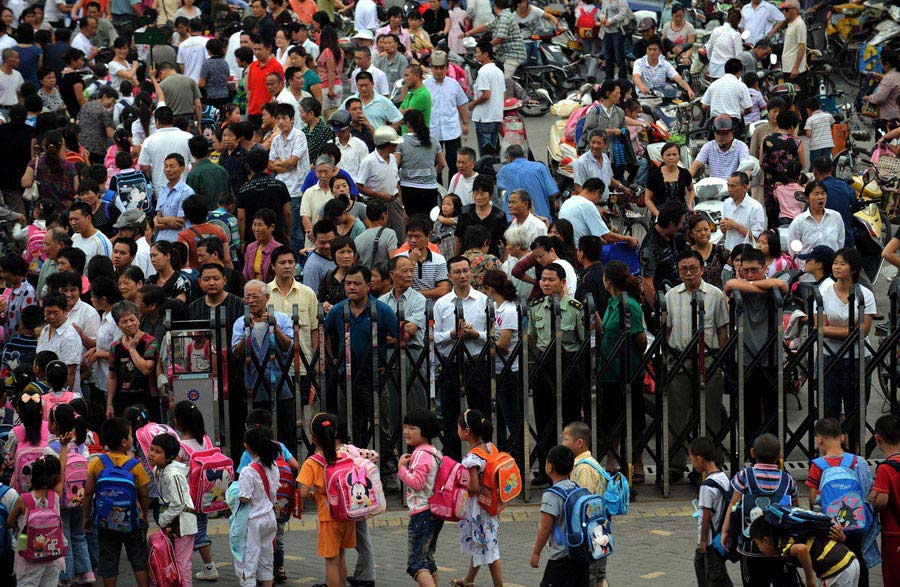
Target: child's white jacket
<point x="174" y="493"/>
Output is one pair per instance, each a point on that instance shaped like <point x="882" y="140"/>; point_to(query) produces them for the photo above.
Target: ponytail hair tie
<point x="326" y="424"/>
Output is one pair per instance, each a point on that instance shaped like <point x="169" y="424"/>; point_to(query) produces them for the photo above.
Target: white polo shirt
<point x="749" y="213"/>
<point x="446" y="98"/>
<point x="380" y="79"/>
<point x="727" y="95"/>
<point x="283" y="148"/>
<point x="759" y="20"/>
<point x="379" y="175"/>
<point x="66" y="343"/>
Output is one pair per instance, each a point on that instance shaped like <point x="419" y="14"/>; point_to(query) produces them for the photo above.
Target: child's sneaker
<point x="85" y="578"/>
<point x="208" y="574"/>
<point x="280" y="575"/>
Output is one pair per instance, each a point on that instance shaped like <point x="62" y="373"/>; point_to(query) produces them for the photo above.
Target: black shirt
<point x="591" y="282"/>
<point x="264" y="191"/>
<point x="53" y="56"/>
<point x="15" y="153"/>
<point x="495" y="223"/>
<point x="67" y="91"/>
<point x="433" y="23"/>
<point x="658" y="259"/>
<point x="664" y="191"/>
<point x="232" y="304"/>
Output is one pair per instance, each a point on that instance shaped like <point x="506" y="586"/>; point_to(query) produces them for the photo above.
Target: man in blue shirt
<point x="841" y="197"/>
<point x="531" y="176"/>
<point x="357" y="287"/>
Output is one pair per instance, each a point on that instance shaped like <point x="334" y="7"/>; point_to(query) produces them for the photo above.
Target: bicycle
<point x="627" y="215"/>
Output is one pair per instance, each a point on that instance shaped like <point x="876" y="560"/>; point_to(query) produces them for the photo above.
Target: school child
<point x="818" y="129"/>
<point x="177" y="517"/>
<point x="586" y="473"/>
<point x="33" y="235"/>
<point x="64" y="420"/>
<point x="39" y="382"/>
<point x="418" y="471"/>
<point x="57" y="373"/>
<point x="789" y="207"/>
<point x="820" y="557"/>
<point x="8" y="498"/>
<point x="94" y="448"/>
<point x="27" y="441"/>
<point x="561" y="570"/>
<point x="775" y="485"/>
<point x="885" y="496"/>
<point x="634" y="111"/>
<point x="263" y="418"/>
<point x="334" y="537"/>
<point x="478" y="531"/>
<point x="187" y="420"/>
<point x="21" y="347"/>
<point x="709" y="564"/>
<point x="258" y="486"/>
<point x="47" y="481"/>
<point x="829" y="438"/>
<point x="138" y="417"/>
<point x="757" y="101"/>
<point x="198" y="355"/>
<point x="128" y="530"/>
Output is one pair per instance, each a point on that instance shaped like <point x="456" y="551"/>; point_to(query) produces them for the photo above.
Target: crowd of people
<point x="256" y="168"/>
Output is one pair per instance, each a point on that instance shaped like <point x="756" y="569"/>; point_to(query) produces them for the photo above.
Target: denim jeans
<point x="365" y="554"/>
<point x="533" y="53"/>
<point x="78" y="559"/>
<point x="816" y="153"/>
<point x="200" y="538"/>
<point x="487" y="133"/>
<point x="279" y="546"/>
<point x="591" y="49"/>
<point x="643" y="171"/>
<point x="298" y="238"/>
<point x="423" y="529"/>
<point x="614" y="50"/>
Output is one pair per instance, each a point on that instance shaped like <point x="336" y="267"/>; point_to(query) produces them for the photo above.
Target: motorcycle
<point x="561" y="153"/>
<point x="512" y="128"/>
<point x="710" y="194"/>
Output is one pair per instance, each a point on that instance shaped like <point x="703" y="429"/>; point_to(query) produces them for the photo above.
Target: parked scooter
<point x="710" y="194"/>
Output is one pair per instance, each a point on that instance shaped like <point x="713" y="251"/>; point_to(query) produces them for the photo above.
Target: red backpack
<point x="501" y="481"/>
<point x="586" y="23"/>
<point x="451" y="490"/>
<point x="164" y="571"/>
<point x="287" y="487"/>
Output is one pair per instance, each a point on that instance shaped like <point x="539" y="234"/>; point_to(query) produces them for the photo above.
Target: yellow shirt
<point x="307" y="307"/>
<point x="585" y="475"/>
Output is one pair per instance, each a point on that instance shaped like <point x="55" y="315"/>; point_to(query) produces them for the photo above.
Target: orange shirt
<point x="257" y="93"/>
<point x="193" y="234"/>
<point x="304" y="10"/>
<point x="312" y="474"/>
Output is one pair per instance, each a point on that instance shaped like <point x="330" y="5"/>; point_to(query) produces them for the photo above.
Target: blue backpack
<point x="797" y="522"/>
<point x="587" y="535"/>
<point x="115" y="497"/>
<point x="4" y="516"/>
<point x="843" y="496"/>
<point x="754" y="504"/>
<point x="617" y="495"/>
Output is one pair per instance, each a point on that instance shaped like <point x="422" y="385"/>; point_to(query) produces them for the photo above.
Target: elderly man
<point x="751" y="58"/>
<point x="377" y="109"/>
<point x="449" y="113"/>
<point x="314" y="198"/>
<point x="380" y="178"/>
<point x="363" y="58"/>
<point x="722" y="155"/>
<point x="679" y="320"/>
<point x="520" y="206"/>
<point x="793" y="56"/>
<point x="595" y="163"/>
<point x="531" y="176"/>
<point x="258" y="335"/>
<point x="740" y="213"/>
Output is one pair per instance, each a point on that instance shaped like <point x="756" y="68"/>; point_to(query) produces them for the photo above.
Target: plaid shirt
<point x="316" y="137"/>
<point x="512" y="48"/>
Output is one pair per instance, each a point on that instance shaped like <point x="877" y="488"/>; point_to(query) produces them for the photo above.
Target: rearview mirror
<point x="773" y="59"/>
<point x="796" y="246"/>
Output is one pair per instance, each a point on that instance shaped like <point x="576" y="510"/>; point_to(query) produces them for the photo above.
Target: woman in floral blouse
<point x="779" y="148"/>
<point x="476" y="242"/>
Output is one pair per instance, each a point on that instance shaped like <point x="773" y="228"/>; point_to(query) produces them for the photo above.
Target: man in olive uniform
<point x="541" y="330"/>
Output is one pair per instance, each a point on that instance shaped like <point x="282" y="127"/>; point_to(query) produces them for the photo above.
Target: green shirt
<point x="611" y="330"/>
<point x="571" y="323"/>
<point x="418" y="99"/>
<point x="209" y="180"/>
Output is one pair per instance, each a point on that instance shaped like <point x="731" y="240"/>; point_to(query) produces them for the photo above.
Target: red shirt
<point x="257" y="93"/>
<point x="193" y="234"/>
<point x="815" y="473"/>
<point x="887" y="480"/>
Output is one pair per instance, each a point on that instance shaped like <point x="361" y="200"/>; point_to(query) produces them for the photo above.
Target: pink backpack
<point x="45" y="541"/>
<point x="76" y="477"/>
<point x="459" y="74"/>
<point x="353" y="487"/>
<point x="209" y="474"/>
<point x="146" y="433"/>
<point x="572" y="131"/>
<point x="451" y="490"/>
<point x="35" y="255"/>
<point x="50" y="400"/>
<point x="164" y="571"/>
<point x="26" y="455"/>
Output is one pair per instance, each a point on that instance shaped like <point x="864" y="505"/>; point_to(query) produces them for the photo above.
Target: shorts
<point x="565" y="572"/>
<point x="201" y="539"/>
<point x="111" y="543"/>
<point x="334" y="536"/>
<point x="598" y="571"/>
<point x="424" y="529"/>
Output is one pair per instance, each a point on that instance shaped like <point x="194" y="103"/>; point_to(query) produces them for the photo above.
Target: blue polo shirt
<point x="531" y="176"/>
<point x="259" y="340"/>
<point x="361" y="333"/>
<point x="841" y="199"/>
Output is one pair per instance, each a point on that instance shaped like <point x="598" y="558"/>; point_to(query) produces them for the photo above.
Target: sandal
<point x="461" y="583"/>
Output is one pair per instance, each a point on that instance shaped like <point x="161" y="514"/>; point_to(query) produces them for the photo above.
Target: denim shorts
<point x="424" y="529"/>
<point x="200" y="538"/>
<point x="111" y="544"/>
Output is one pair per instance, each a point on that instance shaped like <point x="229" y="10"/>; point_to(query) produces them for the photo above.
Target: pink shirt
<point x="419" y="476"/>
<point x="322" y="67"/>
<point x="790" y="207"/>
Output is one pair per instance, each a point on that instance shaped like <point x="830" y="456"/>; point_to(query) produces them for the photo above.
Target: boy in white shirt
<point x="818" y="129"/>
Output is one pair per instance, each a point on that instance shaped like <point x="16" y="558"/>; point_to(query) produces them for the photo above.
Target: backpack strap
<point x="375" y="246"/>
<point x="822" y="463"/>
<point x="596" y="467"/>
<point x="895" y="465"/>
<point x="319" y="459"/>
<point x="28" y="500"/>
<point x="256" y="466"/>
<point x="129" y="464"/>
<point x="106" y="461"/>
<point x="752" y="485"/>
<point x="848" y="460"/>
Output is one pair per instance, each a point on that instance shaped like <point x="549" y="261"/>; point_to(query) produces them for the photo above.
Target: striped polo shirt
<point x="720" y="163"/>
<point x="768" y="477"/>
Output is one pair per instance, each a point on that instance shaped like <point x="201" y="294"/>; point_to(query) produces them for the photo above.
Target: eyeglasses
<point x="745" y="270"/>
<point x="252" y="296"/>
<point x="687" y="270"/>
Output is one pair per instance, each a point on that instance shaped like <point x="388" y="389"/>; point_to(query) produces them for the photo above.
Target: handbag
<point x="32" y="193"/>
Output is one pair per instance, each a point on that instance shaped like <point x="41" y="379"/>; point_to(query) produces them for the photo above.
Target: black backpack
<point x="128" y="115"/>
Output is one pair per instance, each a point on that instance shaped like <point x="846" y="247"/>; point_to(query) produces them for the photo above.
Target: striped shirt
<point x="721" y="163"/>
<point x="654" y="76"/>
<point x="96" y="244"/>
<point x="768" y="477"/>
<point x="430" y="271"/>
<point x="678" y="301"/>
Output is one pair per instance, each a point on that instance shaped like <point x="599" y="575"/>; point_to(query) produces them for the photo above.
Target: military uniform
<point x="541" y="331"/>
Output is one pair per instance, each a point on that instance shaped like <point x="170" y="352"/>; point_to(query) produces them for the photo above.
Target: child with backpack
<point x="187" y="420"/>
<point x="562" y="570"/>
<point x="587" y="473"/>
<point x="64" y="420"/>
<point x="116" y="502"/>
<point x="177" y="519"/>
<point x="37" y="523"/>
<point x="57" y="373"/>
<point x="39" y="383"/>
<point x="820" y="556"/>
<point x="138" y="417"/>
<point x="334" y="537"/>
<point x="288" y="468"/>
<point x="885" y="496"/>
<point x="478" y="530"/>
<point x="713" y="499"/>
<point x="27" y="441"/>
<point x="754" y="488"/>
<point x="839" y="483"/>
<point x="418" y="472"/>
<point x="257" y="489"/>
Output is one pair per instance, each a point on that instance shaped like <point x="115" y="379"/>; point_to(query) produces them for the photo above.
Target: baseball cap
<point x="385" y="135"/>
<point x="339" y="120"/>
<point x="646" y="24"/>
<point x="723" y="122"/>
<point x="821" y="253"/>
<point x="364" y="34"/>
<point x="130" y="219"/>
<point x="439" y="58"/>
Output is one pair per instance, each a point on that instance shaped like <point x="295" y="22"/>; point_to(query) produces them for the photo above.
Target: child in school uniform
<point x="885" y="496"/>
<point x="177" y="517"/>
<point x="418" y="472"/>
<point x="709" y="565"/>
<point x="562" y="570"/>
<point x="258" y="486"/>
<point x="478" y="531"/>
<point x="334" y="537"/>
<point x="57" y="373"/>
<point x="364" y="570"/>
